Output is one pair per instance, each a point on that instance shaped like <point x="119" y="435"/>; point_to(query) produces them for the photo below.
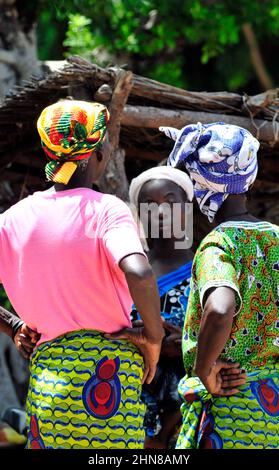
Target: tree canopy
<point x="197" y="44"/>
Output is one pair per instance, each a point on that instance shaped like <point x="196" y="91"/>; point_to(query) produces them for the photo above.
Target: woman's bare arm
<point x="219" y="377"/>
<point x="215" y="328"/>
<point x="144" y="292"/>
<point x="24" y="338"/>
<point x="143" y="289"/>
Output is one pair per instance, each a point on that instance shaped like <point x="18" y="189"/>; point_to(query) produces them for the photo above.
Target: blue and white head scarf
<point x="220" y="158"/>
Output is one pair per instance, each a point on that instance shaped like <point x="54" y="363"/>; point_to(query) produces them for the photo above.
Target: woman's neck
<point x="71" y="185"/>
<point x="234" y="209"/>
<point x="78" y="180"/>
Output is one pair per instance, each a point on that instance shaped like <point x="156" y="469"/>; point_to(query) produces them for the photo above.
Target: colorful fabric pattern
<point x="248" y="420"/>
<point x="245" y="257"/>
<point x="70" y="131"/>
<point x="84" y="393"/>
<point x="220" y="158"/>
<point x="162" y="393"/>
<point x="174" y="290"/>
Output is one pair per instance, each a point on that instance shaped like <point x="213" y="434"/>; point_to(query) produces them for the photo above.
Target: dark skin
<point x="220" y="378"/>
<point x="144" y="292"/>
<point x="234" y="205"/>
<point x="165" y="258"/>
<point x="25" y="340"/>
<point x="24" y="337"/>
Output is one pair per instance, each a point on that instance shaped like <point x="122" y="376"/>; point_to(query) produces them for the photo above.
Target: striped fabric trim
<point x="261" y="226"/>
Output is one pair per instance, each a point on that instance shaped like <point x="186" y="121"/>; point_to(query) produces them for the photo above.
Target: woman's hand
<point x="171" y="345"/>
<point x="25" y="340"/>
<point x="223" y="379"/>
<point x="150" y="348"/>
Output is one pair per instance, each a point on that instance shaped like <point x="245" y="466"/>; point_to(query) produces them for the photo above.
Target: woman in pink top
<point x="72" y="265"/>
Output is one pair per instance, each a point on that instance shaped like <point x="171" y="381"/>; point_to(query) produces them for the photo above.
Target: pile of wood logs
<point x="138" y="106"/>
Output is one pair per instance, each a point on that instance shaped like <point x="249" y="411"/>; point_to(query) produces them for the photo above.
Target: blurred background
<point x="194" y="44"/>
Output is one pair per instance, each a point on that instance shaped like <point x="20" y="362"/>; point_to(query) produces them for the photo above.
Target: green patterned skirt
<point x="84" y="393"/>
<point x="248" y="420"/>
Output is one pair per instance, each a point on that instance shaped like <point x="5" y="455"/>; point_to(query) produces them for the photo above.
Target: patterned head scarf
<point x="160" y="172"/>
<point x="70" y="131"/>
<point x="220" y="158"/>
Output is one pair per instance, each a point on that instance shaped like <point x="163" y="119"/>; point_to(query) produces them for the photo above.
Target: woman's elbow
<point x="136" y="267"/>
<point x="142" y="275"/>
<point x="221" y="303"/>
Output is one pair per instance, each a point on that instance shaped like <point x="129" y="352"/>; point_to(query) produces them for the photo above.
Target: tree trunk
<point x="114" y="180"/>
<point x="18" y="48"/>
<point x="152" y="118"/>
<point x="256" y="57"/>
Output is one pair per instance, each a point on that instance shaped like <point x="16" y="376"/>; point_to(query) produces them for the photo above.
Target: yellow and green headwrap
<point x="70" y="131"/>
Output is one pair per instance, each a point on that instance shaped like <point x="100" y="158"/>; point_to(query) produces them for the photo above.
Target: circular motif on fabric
<point x="34" y="437"/>
<point x="267" y="395"/>
<point x="102" y="392"/>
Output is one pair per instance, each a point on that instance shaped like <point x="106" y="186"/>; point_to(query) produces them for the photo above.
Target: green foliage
<point x="51" y="32"/>
<point x="169" y="72"/>
<point x="4" y="301"/>
<point x="235" y="77"/>
<point x="154" y="36"/>
<point x="79" y="38"/>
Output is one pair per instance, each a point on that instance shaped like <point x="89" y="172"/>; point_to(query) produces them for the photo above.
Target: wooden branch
<point x="150" y="117"/>
<point x="149" y="89"/>
<point x="103" y="94"/>
<point x="119" y="98"/>
<point x="256" y="57"/>
<point x="263" y="100"/>
<point x="114" y="181"/>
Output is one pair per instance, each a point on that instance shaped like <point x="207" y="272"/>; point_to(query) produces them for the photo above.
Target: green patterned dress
<point x="245" y="257"/>
<point x="84" y="393"/>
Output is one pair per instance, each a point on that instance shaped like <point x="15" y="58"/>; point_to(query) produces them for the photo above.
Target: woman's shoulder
<point x="102" y="201"/>
<point x="228" y="231"/>
<point x="216" y="237"/>
<point x="113" y="205"/>
<point x="18" y="206"/>
<point x="257" y="232"/>
<point x="112" y="200"/>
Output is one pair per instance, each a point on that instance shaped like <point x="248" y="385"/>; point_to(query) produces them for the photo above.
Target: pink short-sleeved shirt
<point x="59" y="255"/>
